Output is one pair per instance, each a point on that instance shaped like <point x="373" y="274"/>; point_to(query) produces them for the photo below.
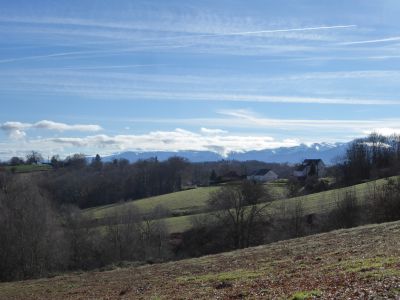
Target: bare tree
<point x="34" y="157"/>
<point x="289" y="219"/>
<point x="154" y="233"/>
<point x="384" y="201"/>
<point x="240" y="208"/>
<point x="297" y="218"/>
<point x="347" y="211"/>
<point x="123" y="233"/>
<point x="31" y="238"/>
<point x="15" y="161"/>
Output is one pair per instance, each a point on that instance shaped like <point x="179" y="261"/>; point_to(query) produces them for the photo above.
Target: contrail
<point x="243" y="33"/>
<point x="391" y="39"/>
<point x="280" y="30"/>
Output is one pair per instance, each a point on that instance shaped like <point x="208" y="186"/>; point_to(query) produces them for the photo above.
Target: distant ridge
<point x="326" y="151"/>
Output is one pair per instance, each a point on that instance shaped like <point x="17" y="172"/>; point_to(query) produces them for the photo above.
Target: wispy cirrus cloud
<point x="248" y="119"/>
<point x="353" y="125"/>
<point x="196" y="33"/>
<point x="241" y="97"/>
<point x="375" y="41"/>
<point x="323" y="58"/>
<point x="196" y="27"/>
<point x="301" y="87"/>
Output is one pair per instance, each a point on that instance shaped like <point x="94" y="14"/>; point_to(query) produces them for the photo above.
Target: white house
<point x="310" y="167"/>
<point x="263" y="175"/>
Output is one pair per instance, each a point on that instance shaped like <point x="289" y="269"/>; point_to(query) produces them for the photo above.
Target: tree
<point x="86" y="243"/>
<point x="15" y="161"/>
<point x="296" y="218"/>
<point x="34" y="157"/>
<point x="347" y="212"/>
<point x="294" y="187"/>
<point x="213" y="177"/>
<point x="291" y="221"/>
<point x="77" y="161"/>
<point x="123" y="233"/>
<point x="154" y="234"/>
<point x="132" y="235"/>
<point x="240" y="209"/>
<point x="97" y="164"/>
<point x="31" y="238"/>
<point x="384" y="201"/>
<point x="56" y="161"/>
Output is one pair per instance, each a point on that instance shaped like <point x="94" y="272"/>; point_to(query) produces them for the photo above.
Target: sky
<point x="84" y="76"/>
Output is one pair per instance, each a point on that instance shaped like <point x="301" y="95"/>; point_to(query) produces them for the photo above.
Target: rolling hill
<point x="187" y="202"/>
<point x="358" y="263"/>
<point x="190" y="202"/>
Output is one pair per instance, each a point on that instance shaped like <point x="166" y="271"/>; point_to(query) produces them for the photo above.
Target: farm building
<point x="263" y="175"/>
<point x="310" y="167"/>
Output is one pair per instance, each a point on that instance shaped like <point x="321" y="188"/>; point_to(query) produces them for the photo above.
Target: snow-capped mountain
<point x="325" y="151"/>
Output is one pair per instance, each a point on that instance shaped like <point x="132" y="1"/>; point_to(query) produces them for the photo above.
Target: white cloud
<point x="16" y="130"/>
<point x="216" y="140"/>
<point x="45" y="124"/>
<point x="212" y="131"/>
<point x="178" y="139"/>
<point x="14" y="126"/>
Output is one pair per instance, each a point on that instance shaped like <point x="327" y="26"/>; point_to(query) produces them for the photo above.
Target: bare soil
<point x="359" y="263"/>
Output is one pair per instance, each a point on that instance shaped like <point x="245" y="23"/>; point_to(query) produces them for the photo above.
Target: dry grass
<point x="360" y="263"/>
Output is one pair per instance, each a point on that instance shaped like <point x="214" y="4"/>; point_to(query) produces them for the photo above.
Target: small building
<point x="310" y="168"/>
<point x="262" y="175"/>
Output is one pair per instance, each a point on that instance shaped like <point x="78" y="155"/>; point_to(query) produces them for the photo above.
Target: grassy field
<point x="191" y="201"/>
<point x="359" y="263"/>
<point x="186" y="202"/>
<point x="315" y="203"/>
<point x="28" y="168"/>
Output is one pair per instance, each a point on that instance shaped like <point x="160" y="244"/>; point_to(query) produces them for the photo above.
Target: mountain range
<point x="328" y="152"/>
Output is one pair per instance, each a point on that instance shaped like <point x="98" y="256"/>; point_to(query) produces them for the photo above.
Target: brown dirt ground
<point x="360" y="263"/>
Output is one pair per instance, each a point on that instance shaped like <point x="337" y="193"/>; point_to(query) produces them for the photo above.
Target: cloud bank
<point x="16" y="130"/>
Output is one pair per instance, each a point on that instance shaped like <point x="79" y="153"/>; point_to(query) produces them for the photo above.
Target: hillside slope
<point x="316" y="203"/>
<point x="359" y="263"/>
<point x="188" y="203"/>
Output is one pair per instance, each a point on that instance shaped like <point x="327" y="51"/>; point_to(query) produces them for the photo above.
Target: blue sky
<point x="107" y="76"/>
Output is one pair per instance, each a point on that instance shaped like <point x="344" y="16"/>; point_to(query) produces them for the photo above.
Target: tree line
<point x="76" y="182"/>
<point x="86" y="183"/>
<point x="375" y="156"/>
<point x="39" y="238"/>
